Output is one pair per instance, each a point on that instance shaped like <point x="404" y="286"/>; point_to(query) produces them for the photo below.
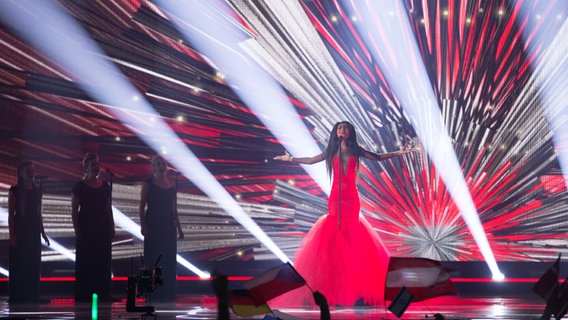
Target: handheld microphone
<point x="174" y="172"/>
<point x="341" y="137"/>
<point x="407" y="139"/>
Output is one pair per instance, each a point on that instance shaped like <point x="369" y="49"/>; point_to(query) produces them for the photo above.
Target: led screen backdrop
<point x="494" y="68"/>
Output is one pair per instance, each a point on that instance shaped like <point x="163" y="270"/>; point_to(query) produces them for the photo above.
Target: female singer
<point x="25" y="224"/>
<point x="159" y="222"/>
<point x="341" y="256"/>
<point x="91" y="211"/>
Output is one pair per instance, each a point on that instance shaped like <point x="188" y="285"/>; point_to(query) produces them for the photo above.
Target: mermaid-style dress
<point x="343" y="258"/>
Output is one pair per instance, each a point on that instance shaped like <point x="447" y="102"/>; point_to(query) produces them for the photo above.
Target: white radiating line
<point x="549" y="79"/>
<point x="127" y="224"/>
<point x="60" y="38"/>
<point x="55" y="246"/>
<point x="257" y="89"/>
<point x="406" y="74"/>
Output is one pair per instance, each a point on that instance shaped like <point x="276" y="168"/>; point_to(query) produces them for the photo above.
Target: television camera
<point x="143" y="284"/>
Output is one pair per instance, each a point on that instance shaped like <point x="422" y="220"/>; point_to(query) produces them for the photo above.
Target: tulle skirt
<point x="347" y="263"/>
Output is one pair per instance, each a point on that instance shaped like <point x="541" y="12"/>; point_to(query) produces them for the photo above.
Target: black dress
<point x="93" y="248"/>
<point x="25" y="257"/>
<point x="161" y="238"/>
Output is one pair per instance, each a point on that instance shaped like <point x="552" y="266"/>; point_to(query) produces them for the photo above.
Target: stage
<point x="226" y="90"/>
<point x="204" y="307"/>
<point x="479" y="297"/>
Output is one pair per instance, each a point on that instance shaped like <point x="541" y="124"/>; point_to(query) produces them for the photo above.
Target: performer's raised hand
<point x="285" y="157"/>
<point x="410" y="144"/>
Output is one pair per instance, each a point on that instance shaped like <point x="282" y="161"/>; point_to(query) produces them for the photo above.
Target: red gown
<point x="343" y="258"/>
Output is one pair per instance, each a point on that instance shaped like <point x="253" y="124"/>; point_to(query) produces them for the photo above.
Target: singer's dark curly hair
<point x="334" y="142"/>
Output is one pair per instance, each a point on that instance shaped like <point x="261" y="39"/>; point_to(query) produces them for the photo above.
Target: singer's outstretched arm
<point x="307" y="160"/>
<point x="383" y="156"/>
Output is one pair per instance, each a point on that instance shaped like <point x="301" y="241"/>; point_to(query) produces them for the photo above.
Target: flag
<point x="243" y="305"/>
<point x="273" y="283"/>
<point x="560" y="306"/>
<point x="547" y="285"/>
<point x="424" y="278"/>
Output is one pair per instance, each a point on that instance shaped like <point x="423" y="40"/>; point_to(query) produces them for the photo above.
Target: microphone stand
<point x="110" y="176"/>
<point x="40" y="189"/>
<point x="175" y="191"/>
<point x="176" y="220"/>
<point x="110" y="182"/>
<point x="176" y="174"/>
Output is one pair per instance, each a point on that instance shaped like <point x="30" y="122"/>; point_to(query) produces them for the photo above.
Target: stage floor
<point x="204" y="307"/>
